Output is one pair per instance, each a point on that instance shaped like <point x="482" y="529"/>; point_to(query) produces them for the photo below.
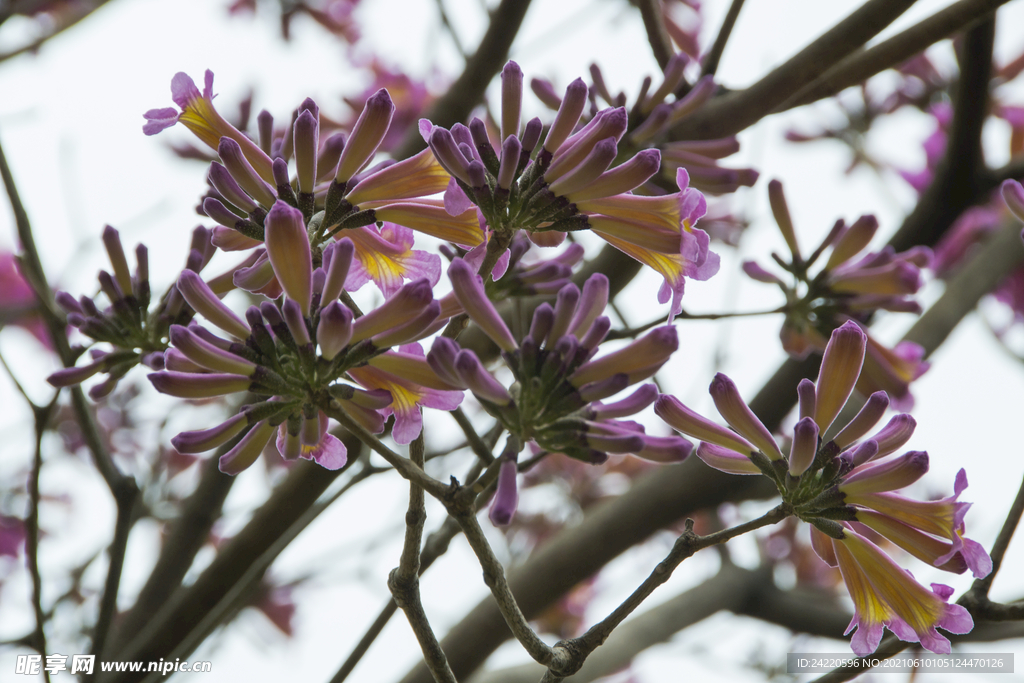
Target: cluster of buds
<point x="563" y="183"/>
<point x="553" y="402"/>
<point x="850" y="286"/>
<point x="293" y="355"/>
<point x="136" y="334"/>
<point x="334" y="187"/>
<point x="844" y="485"/>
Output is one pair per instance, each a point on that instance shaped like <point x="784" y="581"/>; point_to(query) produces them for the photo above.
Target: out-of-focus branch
<point x="958" y="182"/>
<point x="271" y="523"/>
<point x="187" y="534"/>
<point x="657" y="36"/>
<point x="468" y="90"/>
<point x="714" y="55"/>
<point x="728" y="114"/>
<point x="41" y="416"/>
<point x="892" y="52"/>
<point x="82" y="11"/>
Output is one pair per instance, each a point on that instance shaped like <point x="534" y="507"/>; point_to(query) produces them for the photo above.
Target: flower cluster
<point x="845" y="485"/>
<point x="136" y="334"/>
<point x="295" y="356"/>
<point x="850" y="286"/>
<point x="555" y="399"/>
<point x="563" y="183"/>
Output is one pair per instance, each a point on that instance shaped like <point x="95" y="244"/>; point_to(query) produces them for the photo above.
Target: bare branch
<point x="714" y="55"/>
<point x="657" y="36"/>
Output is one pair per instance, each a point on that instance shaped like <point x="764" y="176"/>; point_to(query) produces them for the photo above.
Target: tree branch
<point x="657" y="36"/>
<point x="468" y="90"/>
<point x="890" y="53"/>
<point x="728" y="114"/>
<point x="714" y="55"/>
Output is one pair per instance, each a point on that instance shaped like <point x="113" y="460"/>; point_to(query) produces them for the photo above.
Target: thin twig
<point x="42" y="417"/>
<point x="116" y="552"/>
<point x="575" y="651"/>
<point x="404" y="580"/>
<point x="446" y="22"/>
<point x="34" y="46"/>
<point x="657" y="36"/>
<point x="714" y="55"/>
<point x="477" y="444"/>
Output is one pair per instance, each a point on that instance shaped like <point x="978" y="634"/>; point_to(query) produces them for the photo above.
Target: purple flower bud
<point x="756" y="272"/>
<point x="403" y="307"/>
<point x="807" y="397"/>
<point x="781" y="212"/>
<point x="511" y="99"/>
<point x="620" y="443"/>
<point x="621" y="179"/>
<point x="75" y="375"/>
<point x="281" y="177"/>
<point x="852" y="241"/>
<point x="840" y="368"/>
<point x="565" y="307"/>
<point x="477" y="174"/>
<point x="700" y="93"/>
<point x="589" y="170"/>
<point x="596" y="334"/>
<point x="531" y="134"/>
<point x="191" y="385"/>
<point x="441" y="359"/>
<point x="510" y="151"/>
<point x="805" y="446"/>
<point x="739" y="416"/>
<point x="892" y="474"/>
<point x="448" y="154"/>
<point x="652" y="126"/>
<point x="225" y="184"/>
<point x="664" y="449"/>
<point x="244" y="174"/>
<point x="543" y="319"/>
<point x="307" y="142"/>
<point x="247" y="449"/>
<point x="337" y="260"/>
<point x="545" y="92"/>
<point x="423" y="324"/>
<point x="591" y="305"/>
<point x="216" y="210"/>
<point x="265" y="129"/>
<point x="199" y="296"/>
<point x="203" y="440"/>
<point x="367" y="134"/>
<point x="506" y="497"/>
<point x="208" y="355"/>
<point x="1013" y="195"/>
<point x="153" y="360"/>
<point x="639" y="360"/>
<point x="610" y="123"/>
<point x="894" y="434"/>
<point x="68" y="302"/>
<point x="603" y="388"/>
<point x="478" y="380"/>
<point x="469" y="290"/>
<point x="898" y="277"/>
<point x="865" y="420"/>
<point x="334" y="330"/>
<point x="112" y="243"/>
<point x="632" y="404"/>
<point x="569" y="112"/>
<point x="330" y="154"/>
<point x="296" y="322"/>
<point x="673" y="77"/>
<point x="175" y="360"/>
<point x="678" y="416"/>
<point x="255" y="277"/>
<point x="862" y="452"/>
<point x="288" y="249"/>
<point x="725" y="459"/>
<point x="463" y="136"/>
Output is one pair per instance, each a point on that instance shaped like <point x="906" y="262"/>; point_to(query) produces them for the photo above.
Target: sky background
<point x="70" y="123"/>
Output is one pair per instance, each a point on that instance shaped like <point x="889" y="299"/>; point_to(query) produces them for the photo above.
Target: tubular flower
<point x="334" y="187"/>
<point x="295" y="355"/>
<point x="555" y="401"/>
<point x="846" y="483"/>
<point x="564" y="183"/>
<point x="387" y="258"/>
<point x="885" y="594"/>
